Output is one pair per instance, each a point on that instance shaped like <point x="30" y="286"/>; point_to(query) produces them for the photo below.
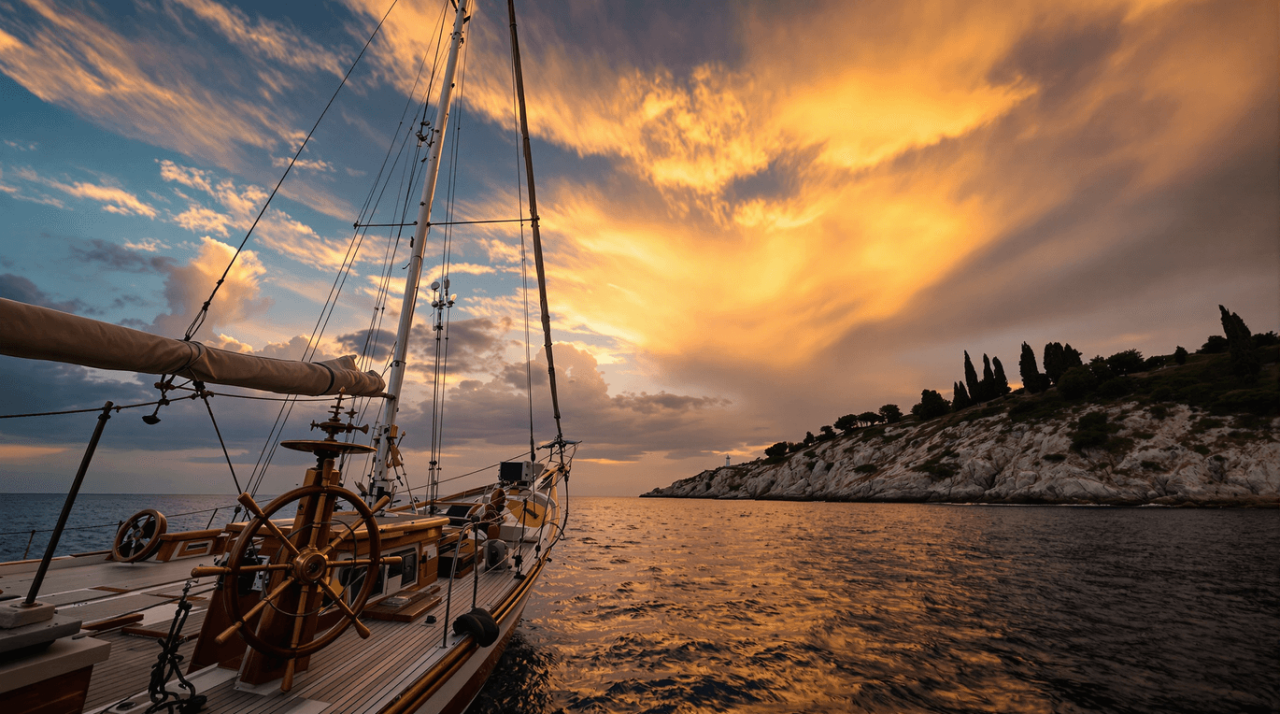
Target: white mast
<point x="380" y="484"/>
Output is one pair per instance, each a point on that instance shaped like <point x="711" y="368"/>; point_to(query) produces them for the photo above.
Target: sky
<point x="757" y="216"/>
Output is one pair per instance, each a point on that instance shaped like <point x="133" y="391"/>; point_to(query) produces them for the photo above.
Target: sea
<point x="673" y="606"/>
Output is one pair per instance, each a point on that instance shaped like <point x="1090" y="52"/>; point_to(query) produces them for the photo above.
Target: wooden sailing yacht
<point x="324" y="599"/>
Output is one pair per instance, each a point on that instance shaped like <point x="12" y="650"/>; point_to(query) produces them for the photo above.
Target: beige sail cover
<point x="41" y="333"/>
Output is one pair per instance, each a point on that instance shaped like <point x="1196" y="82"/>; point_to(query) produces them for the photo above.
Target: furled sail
<point x="40" y="333"/>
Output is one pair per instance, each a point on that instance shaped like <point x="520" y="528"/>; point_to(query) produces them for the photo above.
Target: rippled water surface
<point x="706" y="606"/>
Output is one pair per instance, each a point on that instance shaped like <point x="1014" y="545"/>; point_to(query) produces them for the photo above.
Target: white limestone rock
<point x="994" y="460"/>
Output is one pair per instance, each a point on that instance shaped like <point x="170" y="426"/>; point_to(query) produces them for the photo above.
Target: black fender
<point x="479" y="624"/>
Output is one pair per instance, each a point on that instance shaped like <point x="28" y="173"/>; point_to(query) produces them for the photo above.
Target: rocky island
<point x="1177" y="430"/>
<point x="1182" y="458"/>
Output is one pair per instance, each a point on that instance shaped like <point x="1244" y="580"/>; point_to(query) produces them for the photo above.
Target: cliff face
<point x="1181" y="459"/>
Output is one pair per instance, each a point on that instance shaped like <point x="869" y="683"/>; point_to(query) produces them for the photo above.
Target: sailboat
<point x="325" y="599"/>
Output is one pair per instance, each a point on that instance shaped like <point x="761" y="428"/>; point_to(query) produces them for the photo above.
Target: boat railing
<point x="31" y="534"/>
<point x="453" y="574"/>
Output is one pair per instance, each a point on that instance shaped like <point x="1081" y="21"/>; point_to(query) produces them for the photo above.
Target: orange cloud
<point x="113" y="198"/>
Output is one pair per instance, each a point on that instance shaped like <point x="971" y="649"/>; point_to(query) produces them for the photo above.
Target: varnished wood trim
<point x="431" y="682"/>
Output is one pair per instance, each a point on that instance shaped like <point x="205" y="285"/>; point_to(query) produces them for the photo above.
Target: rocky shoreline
<point x="1173" y="456"/>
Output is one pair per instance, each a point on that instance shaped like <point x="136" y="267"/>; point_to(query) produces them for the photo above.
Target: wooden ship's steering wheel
<point x="139" y="537"/>
<point x="298" y="593"/>
<point x="304" y="563"/>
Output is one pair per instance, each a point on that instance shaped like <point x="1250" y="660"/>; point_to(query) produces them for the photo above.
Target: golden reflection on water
<point x="690" y="606"/>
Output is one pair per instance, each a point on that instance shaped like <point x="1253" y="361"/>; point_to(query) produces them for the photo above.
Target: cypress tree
<point x="1031" y="377"/>
<point x="1244" y="355"/>
<point x="987" y="387"/>
<point x="1053" y="366"/>
<point x="970" y="377"/>
<point x="960" y="398"/>
<point x="1071" y="357"/>
<point x="1001" y="382"/>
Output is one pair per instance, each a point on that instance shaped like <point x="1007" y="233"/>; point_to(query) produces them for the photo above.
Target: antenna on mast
<point x="379" y="483"/>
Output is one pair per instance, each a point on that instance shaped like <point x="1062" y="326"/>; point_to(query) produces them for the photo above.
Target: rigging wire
<point x="524" y="261"/>
<point x="205" y="396"/>
<point x="444" y="309"/>
<point x="115" y="408"/>
<point x="270" y="446"/>
<point x="396" y="238"/>
<point x="198" y="321"/>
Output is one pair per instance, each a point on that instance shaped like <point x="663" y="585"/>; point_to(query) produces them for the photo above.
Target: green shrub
<point x="778" y="449"/>
<point x="1159" y="411"/>
<point x="1115" y="388"/>
<point x="1205" y="424"/>
<point x="1216" y="344"/>
<point x="1162" y="394"/>
<point x="891" y="413"/>
<point x="1201" y="449"/>
<point x="931" y="405"/>
<point x="1151" y="466"/>
<point x="1259" y="401"/>
<point x="867" y="469"/>
<point x="1055" y="458"/>
<point x="1093" y="431"/>
<point x="1126" y="362"/>
<point x="1077" y="383"/>
<point x="936" y="468"/>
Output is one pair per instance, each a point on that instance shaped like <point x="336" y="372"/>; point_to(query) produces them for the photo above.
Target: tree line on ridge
<point x="1066" y="371"/>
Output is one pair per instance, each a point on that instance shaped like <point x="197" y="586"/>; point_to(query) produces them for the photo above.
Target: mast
<point x="380" y="484"/>
<point x="533" y="213"/>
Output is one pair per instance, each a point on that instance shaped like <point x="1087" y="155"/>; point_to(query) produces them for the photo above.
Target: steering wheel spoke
<point x="361" y="628"/>
<point x="308" y="568"/>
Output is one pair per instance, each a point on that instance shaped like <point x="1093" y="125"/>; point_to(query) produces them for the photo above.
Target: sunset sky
<point x="757" y="216"/>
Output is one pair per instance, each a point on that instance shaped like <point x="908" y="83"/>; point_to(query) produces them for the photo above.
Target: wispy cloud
<point x="113" y="198"/>
<point x="274" y="41"/>
<point x="132" y="85"/>
<point x="240" y="205"/>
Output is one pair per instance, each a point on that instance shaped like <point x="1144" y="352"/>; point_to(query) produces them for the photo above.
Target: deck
<point x="350" y="675"/>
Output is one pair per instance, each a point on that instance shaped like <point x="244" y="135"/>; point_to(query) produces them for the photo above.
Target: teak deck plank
<point x="128" y="669"/>
<point x="351" y="675"/>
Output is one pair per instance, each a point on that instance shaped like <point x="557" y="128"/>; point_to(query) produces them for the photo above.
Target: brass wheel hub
<point x="310" y="566"/>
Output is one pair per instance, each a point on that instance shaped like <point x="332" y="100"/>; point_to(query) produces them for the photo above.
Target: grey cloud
<point x="117" y="257"/>
<point x="622" y="427"/>
<point x="20" y="289"/>
<point x="379" y="343"/>
<point x="474" y="345"/>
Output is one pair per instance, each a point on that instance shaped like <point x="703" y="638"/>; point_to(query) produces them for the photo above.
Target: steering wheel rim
<point x="139" y="536"/>
<point x="305" y="568"/>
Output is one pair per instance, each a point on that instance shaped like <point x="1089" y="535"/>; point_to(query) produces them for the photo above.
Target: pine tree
<point x="931" y="405"/>
<point x="960" y="398"/>
<point x="1001" y="382"/>
<point x="891" y="413"/>
<point x="1180" y="355"/>
<point x="1031" y="377"/>
<point x="970" y="377"/>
